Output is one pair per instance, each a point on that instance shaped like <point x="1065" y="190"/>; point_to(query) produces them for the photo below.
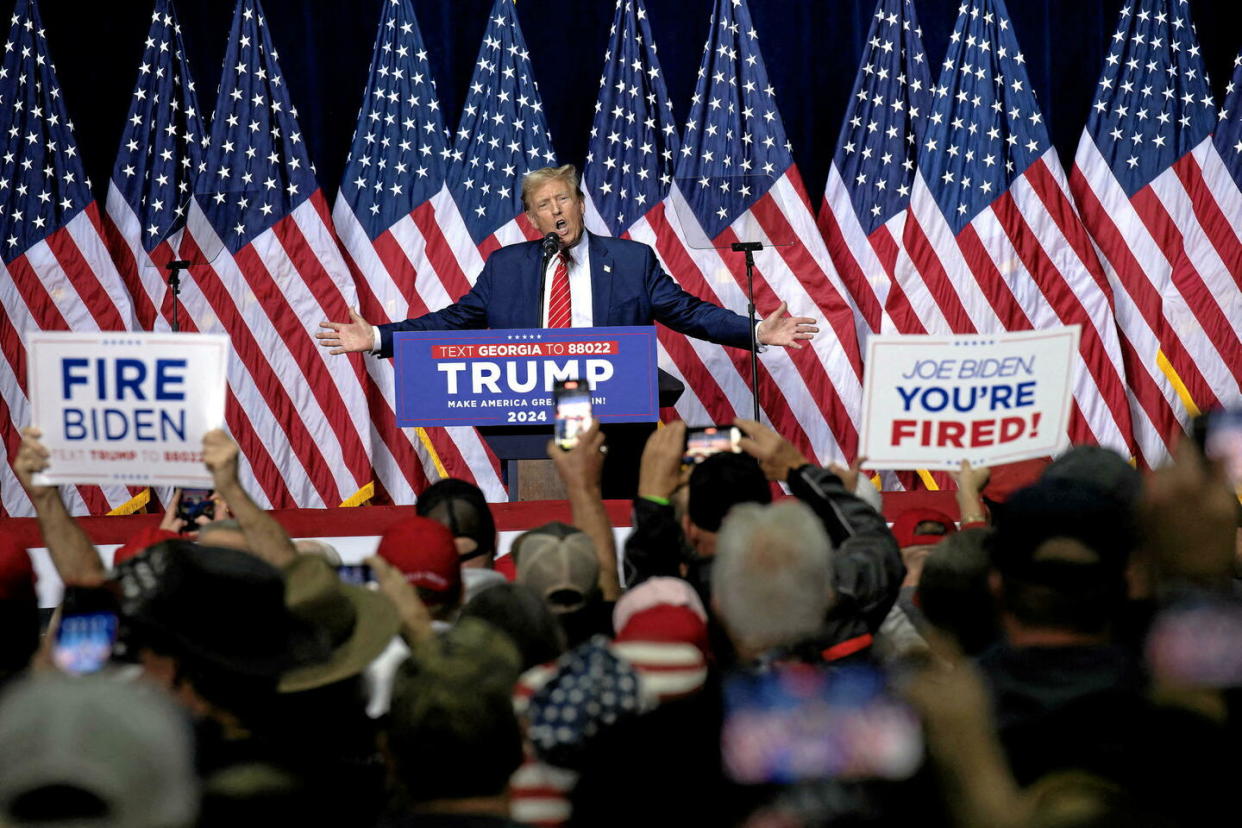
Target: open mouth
<point x="561" y="224"/>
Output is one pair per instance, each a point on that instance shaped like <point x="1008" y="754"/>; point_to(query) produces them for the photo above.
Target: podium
<point x="501" y="382"/>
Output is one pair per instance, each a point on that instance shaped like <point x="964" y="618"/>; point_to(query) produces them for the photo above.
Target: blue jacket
<point x="628" y="287"/>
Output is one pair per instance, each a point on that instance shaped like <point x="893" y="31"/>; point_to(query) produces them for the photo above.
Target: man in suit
<point x="593" y="280"/>
<point x="588" y="280"/>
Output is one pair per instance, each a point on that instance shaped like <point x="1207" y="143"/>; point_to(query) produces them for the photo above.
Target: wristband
<point x="660" y="501"/>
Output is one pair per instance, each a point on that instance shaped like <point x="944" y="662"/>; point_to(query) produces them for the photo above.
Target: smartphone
<point x="195" y="503"/>
<point x="572" y="399"/>
<point x="1219" y="434"/>
<point x="356" y="574"/>
<point x="802" y="723"/>
<point x="87" y="631"/>
<point x="702" y="443"/>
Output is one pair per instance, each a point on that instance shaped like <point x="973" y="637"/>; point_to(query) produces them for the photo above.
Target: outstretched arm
<point x="580" y="469"/>
<point x="265" y="537"/>
<point x="690" y="315"/>
<point x="74" y="556"/>
<point x="470" y="311"/>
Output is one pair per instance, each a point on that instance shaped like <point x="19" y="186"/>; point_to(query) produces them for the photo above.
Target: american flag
<point x="629" y="170"/>
<point x="735" y="180"/>
<point x="272" y="270"/>
<point x="868" y="189"/>
<point x="1228" y="138"/>
<point x="152" y="179"/>
<point x="1157" y="199"/>
<point x="398" y="226"/>
<point x="502" y="135"/>
<point x="991" y="237"/>
<point x="57" y="274"/>
<point x="872" y="170"/>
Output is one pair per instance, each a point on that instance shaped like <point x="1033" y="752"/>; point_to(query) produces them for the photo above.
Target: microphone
<point x="551" y="245"/>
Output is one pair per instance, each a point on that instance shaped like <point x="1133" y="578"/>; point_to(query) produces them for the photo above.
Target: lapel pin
<point x="608" y="268"/>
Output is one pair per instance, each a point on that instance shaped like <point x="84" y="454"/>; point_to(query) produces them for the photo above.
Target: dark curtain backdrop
<point x="811" y="48"/>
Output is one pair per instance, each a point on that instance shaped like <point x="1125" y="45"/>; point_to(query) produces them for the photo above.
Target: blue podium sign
<point x="505" y="377"/>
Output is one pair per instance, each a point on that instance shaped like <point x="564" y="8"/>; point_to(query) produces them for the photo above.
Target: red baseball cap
<point x="425" y="552"/>
<point x="145" y="538"/>
<point x="905" y="527"/>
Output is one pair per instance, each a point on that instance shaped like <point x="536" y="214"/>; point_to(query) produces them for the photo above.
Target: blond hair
<point x="537" y="178"/>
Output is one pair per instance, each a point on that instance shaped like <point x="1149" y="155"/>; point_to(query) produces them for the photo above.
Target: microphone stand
<point x="175" y="266"/>
<point x="749" y="249"/>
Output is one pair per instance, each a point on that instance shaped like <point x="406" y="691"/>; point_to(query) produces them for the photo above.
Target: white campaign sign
<point x="126" y="407"/>
<point x="932" y="401"/>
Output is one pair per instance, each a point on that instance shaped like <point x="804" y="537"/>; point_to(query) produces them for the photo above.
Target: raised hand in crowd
<point x="74" y="556"/>
<point x="580" y="469"/>
<point x="415" y="617"/>
<point x="952" y="700"/>
<point x="1189" y="515"/>
<point x="970" y="483"/>
<point x="264" y="536"/>
<point x="776" y="455"/>
<point x="660" y="472"/>
<point x="170" y="522"/>
<point x="848" y="474"/>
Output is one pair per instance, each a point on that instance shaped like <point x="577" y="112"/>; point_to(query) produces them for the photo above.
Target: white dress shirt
<point x="580" y="313"/>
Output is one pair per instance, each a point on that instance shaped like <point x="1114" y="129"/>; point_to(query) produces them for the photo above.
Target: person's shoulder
<point x="624" y="249"/>
<point x="627" y="245"/>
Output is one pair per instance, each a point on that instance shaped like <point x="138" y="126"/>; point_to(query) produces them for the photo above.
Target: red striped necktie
<point x="558" y="300"/>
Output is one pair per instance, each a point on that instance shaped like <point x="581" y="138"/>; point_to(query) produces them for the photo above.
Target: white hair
<point x="772" y="576"/>
<point x="866" y="491"/>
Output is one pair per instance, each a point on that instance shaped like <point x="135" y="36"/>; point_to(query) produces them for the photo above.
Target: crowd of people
<point x="763" y="650"/>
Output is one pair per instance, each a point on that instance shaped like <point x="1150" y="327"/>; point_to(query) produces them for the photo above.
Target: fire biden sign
<point x="126" y="407"/>
<point x="932" y="401"/>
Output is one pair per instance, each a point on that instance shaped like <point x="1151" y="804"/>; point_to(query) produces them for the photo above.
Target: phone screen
<point x="801" y="723"/>
<point x="84" y="641"/>
<point x="195" y="503"/>
<point x="702" y="443"/>
<point x="573" y="411"/>
<point x="356" y="574"/>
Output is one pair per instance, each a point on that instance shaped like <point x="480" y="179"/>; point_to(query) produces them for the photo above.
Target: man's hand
<point x="581" y="466"/>
<point x="346" y="337"/>
<point x="659" y="472"/>
<point x="848" y="474"/>
<point x="970" y="482"/>
<point x="74" y="556"/>
<point x="31" y="459"/>
<point x="1189" y="513"/>
<point x="414" y="615"/>
<point x="220" y="456"/>
<point x="970" y="478"/>
<point x="776" y="455"/>
<point x="170" y="522"/>
<point x="779" y="329"/>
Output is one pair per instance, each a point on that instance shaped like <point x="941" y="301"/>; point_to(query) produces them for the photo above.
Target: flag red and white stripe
<point x="55" y="272"/>
<point x="395" y="220"/>
<point x="1165" y="215"/>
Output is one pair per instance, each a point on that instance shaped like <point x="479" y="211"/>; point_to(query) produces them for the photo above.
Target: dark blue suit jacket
<point x="628" y="287"/>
